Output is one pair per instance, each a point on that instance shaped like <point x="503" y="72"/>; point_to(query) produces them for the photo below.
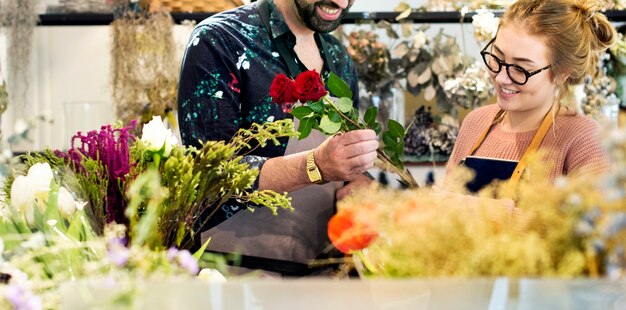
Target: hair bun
<point x="588" y="8"/>
<point x="601" y="27"/>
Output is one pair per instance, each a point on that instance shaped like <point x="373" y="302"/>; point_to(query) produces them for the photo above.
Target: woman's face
<point x="513" y="45"/>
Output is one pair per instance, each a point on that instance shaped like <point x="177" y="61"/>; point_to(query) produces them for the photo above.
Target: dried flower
<point x="599" y="93"/>
<point x="470" y="89"/>
<point x="371" y="58"/>
<point x="426" y="136"/>
<point x="446" y="5"/>
<point x="485" y="25"/>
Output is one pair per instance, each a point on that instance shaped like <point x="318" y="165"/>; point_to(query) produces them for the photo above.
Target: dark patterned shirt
<point x="229" y="64"/>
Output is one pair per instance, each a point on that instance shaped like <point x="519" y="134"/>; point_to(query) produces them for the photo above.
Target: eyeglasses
<point x="516" y="73"/>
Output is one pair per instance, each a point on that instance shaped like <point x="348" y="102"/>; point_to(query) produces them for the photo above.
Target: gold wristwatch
<point x="311" y="169"/>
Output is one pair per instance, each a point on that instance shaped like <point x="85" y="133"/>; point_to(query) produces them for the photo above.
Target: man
<point x="229" y="65"/>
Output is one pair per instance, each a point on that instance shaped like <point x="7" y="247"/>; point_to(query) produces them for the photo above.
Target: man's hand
<point x="357" y="183"/>
<point x="346" y="156"/>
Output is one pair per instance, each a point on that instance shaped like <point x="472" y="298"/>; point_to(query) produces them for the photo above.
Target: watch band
<point x="312" y="170"/>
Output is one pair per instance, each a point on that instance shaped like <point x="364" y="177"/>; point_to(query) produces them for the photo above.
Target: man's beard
<point x="310" y="18"/>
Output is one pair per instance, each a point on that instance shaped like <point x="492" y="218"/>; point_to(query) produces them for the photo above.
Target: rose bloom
<point x="282" y="90"/>
<point x="309" y="86"/>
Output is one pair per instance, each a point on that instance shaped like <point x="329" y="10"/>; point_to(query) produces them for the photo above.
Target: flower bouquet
<point x="307" y="99"/>
<point x="572" y="228"/>
<point x="119" y="206"/>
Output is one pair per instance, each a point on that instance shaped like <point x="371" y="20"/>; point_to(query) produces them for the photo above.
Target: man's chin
<point x="324" y="26"/>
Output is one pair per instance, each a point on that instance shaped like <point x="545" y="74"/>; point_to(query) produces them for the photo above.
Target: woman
<point x="541" y="49"/>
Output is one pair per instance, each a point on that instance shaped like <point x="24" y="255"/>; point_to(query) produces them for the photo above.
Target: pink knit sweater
<point x="572" y="143"/>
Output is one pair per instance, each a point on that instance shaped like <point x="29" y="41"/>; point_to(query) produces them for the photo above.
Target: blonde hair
<point x="575" y="31"/>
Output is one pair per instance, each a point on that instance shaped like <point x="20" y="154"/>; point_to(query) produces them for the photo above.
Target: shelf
<point x="94" y="19"/>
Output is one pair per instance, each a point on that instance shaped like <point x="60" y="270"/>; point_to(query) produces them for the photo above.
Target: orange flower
<point x="350" y="233"/>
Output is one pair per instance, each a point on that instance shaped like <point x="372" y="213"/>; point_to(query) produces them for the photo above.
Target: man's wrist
<point x="312" y="169"/>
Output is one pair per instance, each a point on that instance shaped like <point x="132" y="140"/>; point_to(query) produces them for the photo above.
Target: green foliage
<point x="197" y="179"/>
<point x="339" y="115"/>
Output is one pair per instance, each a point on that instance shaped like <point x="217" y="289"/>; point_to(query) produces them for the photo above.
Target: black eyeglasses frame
<point x="508" y="65"/>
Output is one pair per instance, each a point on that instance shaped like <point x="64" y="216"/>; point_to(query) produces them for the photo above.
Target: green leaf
<point x="400" y="148"/>
<point x="180" y="233"/>
<point x="338" y="86"/>
<point x="370" y="116"/>
<point x="389" y="140"/>
<point x="389" y="150"/>
<point x="302" y="112"/>
<point x="200" y="251"/>
<point x="344" y="104"/>
<point x="395" y="129"/>
<point x="334" y="116"/>
<point x="317" y="106"/>
<point x="305" y="127"/>
<point x="329" y="126"/>
<point x="377" y="128"/>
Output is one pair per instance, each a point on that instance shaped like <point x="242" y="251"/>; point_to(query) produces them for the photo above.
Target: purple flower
<point x="21" y="298"/>
<point x="187" y="261"/>
<point x="171" y="253"/>
<point x="110" y="147"/>
<point x="117" y="253"/>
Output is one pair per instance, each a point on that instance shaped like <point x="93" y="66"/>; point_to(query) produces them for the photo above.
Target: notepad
<point x="487" y="170"/>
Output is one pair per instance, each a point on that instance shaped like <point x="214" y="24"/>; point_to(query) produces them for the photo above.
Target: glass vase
<point x="84" y="116"/>
<point x="390" y="104"/>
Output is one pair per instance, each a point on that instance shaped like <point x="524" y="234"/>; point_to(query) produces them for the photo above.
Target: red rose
<point x="282" y="90"/>
<point x="347" y="233"/>
<point x="309" y="86"/>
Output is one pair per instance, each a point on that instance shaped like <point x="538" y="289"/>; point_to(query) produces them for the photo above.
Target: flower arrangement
<point x="427" y="135"/>
<point x="485" y="25"/>
<point x="615" y="5"/>
<point x="434" y="67"/>
<point x="119" y="206"/>
<point x="572" y="228"/>
<point x="144" y="66"/>
<point x="599" y="92"/>
<point x="371" y="58"/>
<point x="19" y="19"/>
<point x="470" y="89"/>
<point x="445" y="5"/>
<point x="317" y="110"/>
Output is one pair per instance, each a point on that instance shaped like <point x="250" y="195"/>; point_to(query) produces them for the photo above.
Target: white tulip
<point x="66" y="203"/>
<point x="155" y="136"/>
<point x="22" y="194"/>
<point x="211" y="275"/>
<point x="170" y="141"/>
<point x="39" y="178"/>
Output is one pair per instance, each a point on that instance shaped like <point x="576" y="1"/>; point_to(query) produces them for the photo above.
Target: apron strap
<point x="532" y="148"/>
